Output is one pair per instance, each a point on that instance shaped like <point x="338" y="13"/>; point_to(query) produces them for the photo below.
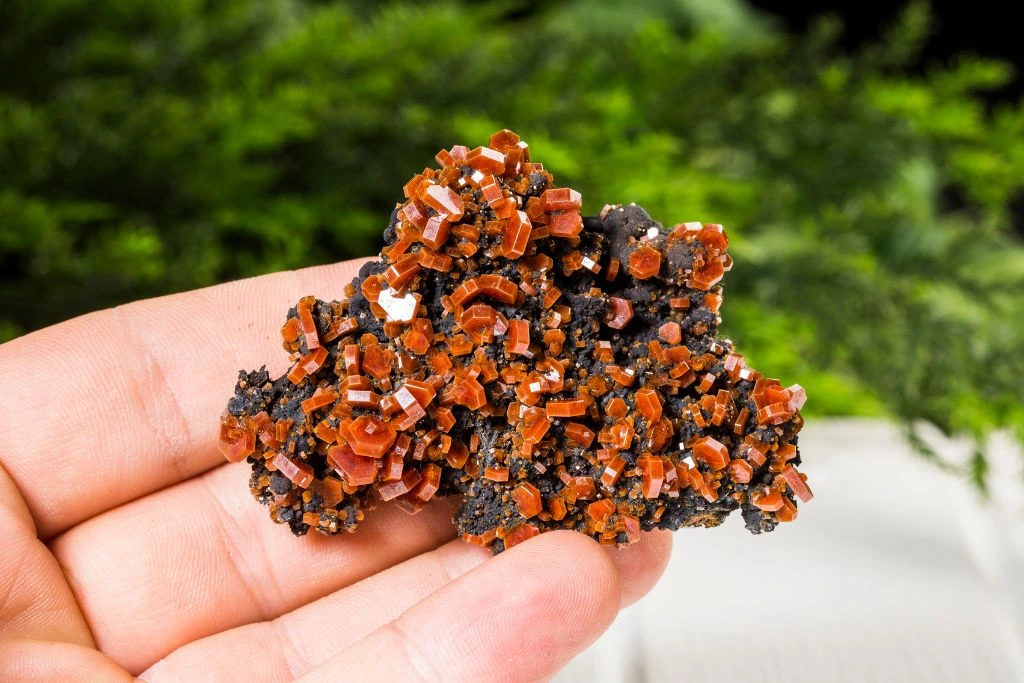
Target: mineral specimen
<point x="541" y="369"/>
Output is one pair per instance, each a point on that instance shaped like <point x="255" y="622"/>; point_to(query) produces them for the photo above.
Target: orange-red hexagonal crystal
<point x="649" y="405"/>
<point x="711" y="451"/>
<point x="517" y="235"/>
<point x="569" y="408"/>
<point x="518" y="337"/>
<point x="620" y="312"/>
<point x="652" y="469"/>
<point x="300" y="473"/>
<point x="236" y="442"/>
<point x="796" y="483"/>
<point x="601" y="510"/>
<point x="371" y="436"/>
<point x="528" y="500"/>
<point x="565" y="223"/>
<point x="356" y="470"/>
<point x="521" y="533"/>
<point x="708" y="276"/>
<point x="560" y="199"/>
<point x="442" y="200"/>
<point x="645" y="262"/>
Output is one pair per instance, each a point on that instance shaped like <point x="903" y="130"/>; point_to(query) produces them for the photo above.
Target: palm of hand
<point x="129" y="546"/>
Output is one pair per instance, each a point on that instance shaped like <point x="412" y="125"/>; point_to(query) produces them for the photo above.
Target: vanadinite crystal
<point x="540" y="369"/>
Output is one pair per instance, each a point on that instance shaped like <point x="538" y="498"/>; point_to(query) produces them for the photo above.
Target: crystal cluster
<point x="541" y="369"/>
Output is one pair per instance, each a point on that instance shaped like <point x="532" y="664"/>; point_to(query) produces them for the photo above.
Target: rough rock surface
<point x="540" y="369"/>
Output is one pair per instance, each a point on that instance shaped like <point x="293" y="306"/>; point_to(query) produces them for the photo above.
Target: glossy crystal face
<point x="540" y="369"/>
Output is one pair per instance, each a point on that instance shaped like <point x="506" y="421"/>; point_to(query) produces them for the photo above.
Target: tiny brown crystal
<point x="541" y="369"/>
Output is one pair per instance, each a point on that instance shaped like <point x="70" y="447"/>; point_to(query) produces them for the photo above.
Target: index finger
<point x="116" y="404"/>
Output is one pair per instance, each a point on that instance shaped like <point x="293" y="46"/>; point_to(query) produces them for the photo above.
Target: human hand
<point x="129" y="546"/>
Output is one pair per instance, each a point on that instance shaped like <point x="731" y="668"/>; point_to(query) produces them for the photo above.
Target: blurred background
<point x="871" y="177"/>
<point x="867" y="159"/>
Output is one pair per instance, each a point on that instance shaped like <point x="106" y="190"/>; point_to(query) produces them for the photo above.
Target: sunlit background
<point x="870" y="178"/>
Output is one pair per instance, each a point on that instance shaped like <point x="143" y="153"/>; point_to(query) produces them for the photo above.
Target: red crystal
<point x="306" y="323"/>
<point x="571" y="408"/>
<point x="487" y="160"/>
<point x="652" y="469"/>
<point x="518" y="337"/>
<point x="394" y="489"/>
<point x="516" y="236"/>
<point x="644" y="262"/>
<point x="565" y="223"/>
<point x="527" y="498"/>
<point x="435" y="232"/>
<point x="521" y="533"/>
<point x="370" y="436"/>
<point x="560" y="199"/>
<point x="236" y="443"/>
<point x="297" y="471"/>
<point x="711" y="451"/>
<point x="356" y="470"/>
<point x="797" y="483"/>
<point x="619" y="314"/>
<point x="649" y="405"/>
<point x="443" y="200"/>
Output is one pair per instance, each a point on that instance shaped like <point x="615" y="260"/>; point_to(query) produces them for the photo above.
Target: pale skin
<point x="130" y="548"/>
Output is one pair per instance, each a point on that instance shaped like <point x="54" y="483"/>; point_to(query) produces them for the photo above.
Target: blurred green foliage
<point x="148" y="147"/>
